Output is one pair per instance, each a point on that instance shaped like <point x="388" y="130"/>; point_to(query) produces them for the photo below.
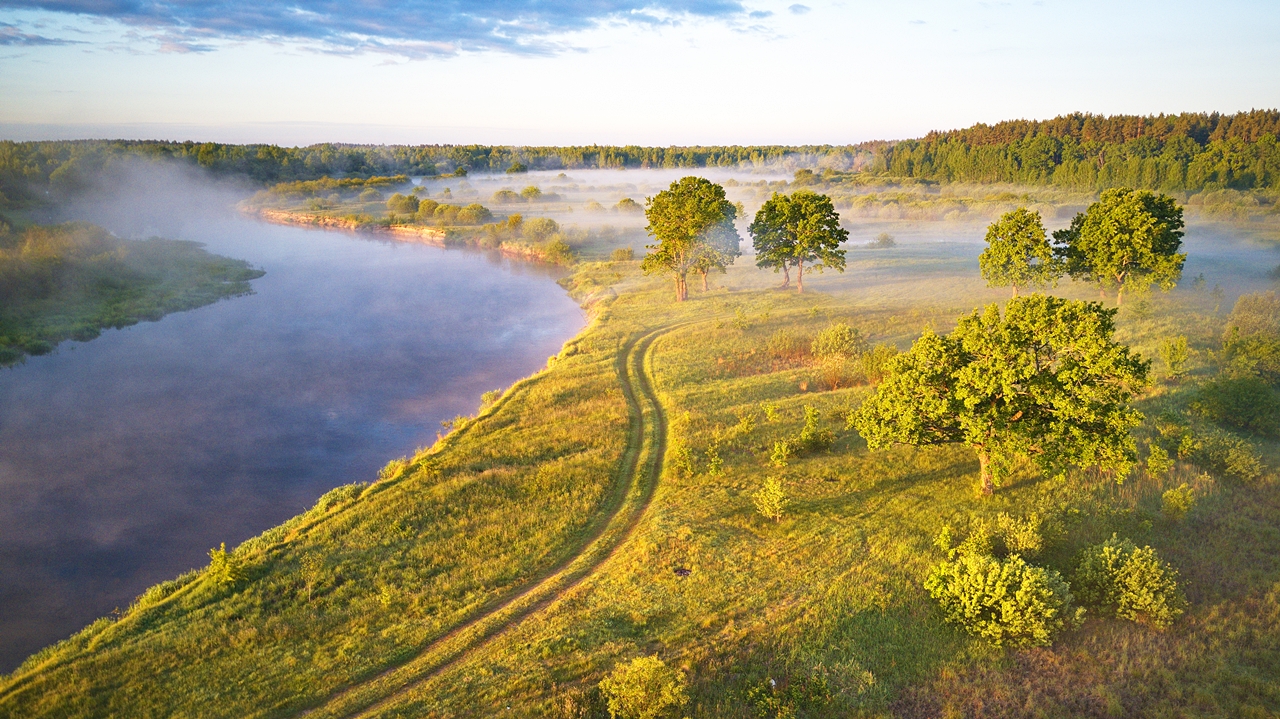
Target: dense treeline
<point x="1190" y="151"/>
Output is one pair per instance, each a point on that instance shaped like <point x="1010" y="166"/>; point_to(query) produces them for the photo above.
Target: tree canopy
<point x="791" y="230"/>
<point x="1018" y="252"/>
<point x="1045" y="382"/>
<point x="1128" y="239"/>
<point x="684" y="218"/>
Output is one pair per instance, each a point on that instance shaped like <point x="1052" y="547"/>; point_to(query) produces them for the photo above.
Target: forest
<point x="1189" y="152"/>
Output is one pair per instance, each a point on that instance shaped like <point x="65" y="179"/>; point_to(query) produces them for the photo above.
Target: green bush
<point x="623" y="254"/>
<point x="1129" y="582"/>
<point x="405" y="205"/>
<point x="644" y="688"/>
<point x="1246" y="403"/>
<point x="224" y="569"/>
<point x="1158" y="461"/>
<point x="813" y="438"/>
<point x="1174" y="353"/>
<point x="771" y="500"/>
<point x="839" y="341"/>
<point x="370" y="195"/>
<point x="1007" y="602"/>
<point x="1175" y="503"/>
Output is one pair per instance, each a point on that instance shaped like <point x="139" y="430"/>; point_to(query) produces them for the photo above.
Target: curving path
<point x="626" y="504"/>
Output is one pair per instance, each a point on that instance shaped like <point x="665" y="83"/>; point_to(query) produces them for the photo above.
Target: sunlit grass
<point x="829" y="595"/>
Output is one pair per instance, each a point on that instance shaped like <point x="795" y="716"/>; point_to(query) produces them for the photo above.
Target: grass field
<point x="504" y="571"/>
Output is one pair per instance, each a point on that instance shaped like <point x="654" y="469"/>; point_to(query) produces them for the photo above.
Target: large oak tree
<point x="792" y="230"/>
<point x="1128" y="239"/>
<point x="1018" y="252"/>
<point x="683" y="218"/>
<point x="1045" y="382"/>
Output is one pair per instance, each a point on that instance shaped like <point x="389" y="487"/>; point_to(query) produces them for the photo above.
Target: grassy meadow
<point x="602" y="510"/>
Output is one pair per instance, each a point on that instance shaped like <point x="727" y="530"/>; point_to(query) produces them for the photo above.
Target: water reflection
<point x="124" y="459"/>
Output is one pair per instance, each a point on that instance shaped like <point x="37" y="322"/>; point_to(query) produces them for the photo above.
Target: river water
<point x="124" y="459"/>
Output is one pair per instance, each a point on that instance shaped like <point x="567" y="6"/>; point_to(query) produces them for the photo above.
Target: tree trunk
<point x="704" y="282"/>
<point x="786" y="275"/>
<point x="1015" y="290"/>
<point x="1120" y="296"/>
<point x="800" y="276"/>
<point x="984" y="474"/>
<point x="680" y="288"/>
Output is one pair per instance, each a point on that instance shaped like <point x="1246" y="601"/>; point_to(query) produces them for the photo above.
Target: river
<point x="125" y="459"/>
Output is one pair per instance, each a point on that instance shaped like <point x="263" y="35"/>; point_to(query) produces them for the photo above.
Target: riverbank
<point x="71" y="281"/>
<point x="434" y="236"/>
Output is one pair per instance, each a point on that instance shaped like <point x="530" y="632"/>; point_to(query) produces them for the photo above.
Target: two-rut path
<point x="630" y="495"/>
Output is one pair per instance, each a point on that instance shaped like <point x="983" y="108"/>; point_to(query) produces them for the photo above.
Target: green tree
<point x="224" y="569"/>
<point x="721" y="245"/>
<point x="773" y="243"/>
<point x="792" y="230"/>
<point x="681" y="218"/>
<point x="1046" y="382"/>
<point x="1128" y="239"/>
<point x="1018" y="253"/>
<point x="771" y="499"/>
<point x="644" y="688"/>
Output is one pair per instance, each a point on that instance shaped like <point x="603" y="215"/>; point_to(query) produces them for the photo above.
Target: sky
<point x="666" y="72"/>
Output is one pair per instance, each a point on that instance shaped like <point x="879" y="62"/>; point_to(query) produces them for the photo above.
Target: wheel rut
<point x="629" y="497"/>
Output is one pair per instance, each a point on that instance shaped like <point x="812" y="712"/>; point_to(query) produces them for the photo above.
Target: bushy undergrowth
<point x="1130" y="582"/>
<point x="1007" y="602"/>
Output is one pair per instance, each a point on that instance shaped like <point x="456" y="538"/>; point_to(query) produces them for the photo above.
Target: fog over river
<point x="124" y="459"/>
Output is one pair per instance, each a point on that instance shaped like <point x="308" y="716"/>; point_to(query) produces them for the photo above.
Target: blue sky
<point x="613" y="71"/>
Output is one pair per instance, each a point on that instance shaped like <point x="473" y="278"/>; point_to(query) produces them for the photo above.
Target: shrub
<point x="839" y="341"/>
<point x="1129" y="582"/>
<point x="532" y="193"/>
<point x="1225" y="453"/>
<point x="1174" y="353"/>
<point x="539" y="229"/>
<point x="874" y="363"/>
<point x="405" y="205"/>
<point x="370" y="195"/>
<point x="1175" y="503"/>
<point x="771" y="500"/>
<point x="644" y="688"/>
<point x="883" y="241"/>
<point x="1020" y="536"/>
<point x="1158" y="461"/>
<point x="1251" y="343"/>
<point x="427" y="209"/>
<point x="474" y="214"/>
<point x="1007" y="602"/>
<point x="813" y="438"/>
<point x="623" y="254"/>
<point x="224" y="570"/>
<point x="506" y="197"/>
<point x="1246" y="403"/>
<point x="781" y="454"/>
<point x="628" y="205"/>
